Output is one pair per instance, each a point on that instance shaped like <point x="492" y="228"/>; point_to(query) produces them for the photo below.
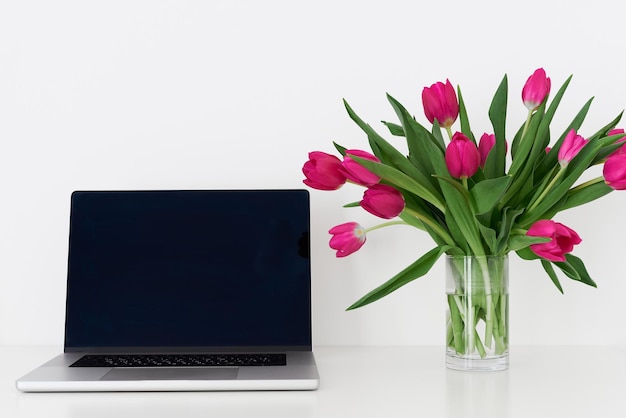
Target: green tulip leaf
<point x="460" y="211"/>
<point x="465" y="125"/>
<point x="518" y="242"/>
<point x="526" y="141"/>
<point x="521" y="167"/>
<point x="394" y="129"/>
<point x="547" y="266"/>
<point x="515" y="144"/>
<point x="380" y="147"/>
<point x="436" y="133"/>
<point x="527" y="254"/>
<point x="416" y="270"/>
<point x="457" y="234"/>
<point x="342" y="150"/>
<point x="544" y="128"/>
<point x="608" y="150"/>
<point x="575" y="269"/>
<point x="393" y="158"/>
<point x="577" y="197"/>
<point x="352" y="205"/>
<point x="488" y="193"/>
<point x="424" y="150"/>
<point x="612" y="146"/>
<point x="509" y="217"/>
<point x="489" y="235"/>
<point x="602" y="131"/>
<point x="497" y="115"/>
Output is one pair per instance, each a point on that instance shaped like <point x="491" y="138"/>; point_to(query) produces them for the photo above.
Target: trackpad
<point x="172" y="373"/>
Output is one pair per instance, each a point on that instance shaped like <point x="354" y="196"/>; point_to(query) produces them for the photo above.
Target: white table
<point x="364" y="382"/>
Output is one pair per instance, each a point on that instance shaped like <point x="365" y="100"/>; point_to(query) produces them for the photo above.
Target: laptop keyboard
<point x="180" y="360"/>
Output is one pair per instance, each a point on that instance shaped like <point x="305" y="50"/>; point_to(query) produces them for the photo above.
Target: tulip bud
<point x="323" y="171"/>
<point x="614" y="171"/>
<point x="485" y="145"/>
<point x="440" y="102"/>
<point x="462" y="157"/>
<point x="536" y="89"/>
<point x="347" y="238"/>
<point x="562" y="241"/>
<point x="355" y="172"/>
<point x="571" y="146"/>
<point x="383" y="201"/>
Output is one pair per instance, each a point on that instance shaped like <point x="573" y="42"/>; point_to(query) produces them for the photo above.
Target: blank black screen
<point x="189" y="269"/>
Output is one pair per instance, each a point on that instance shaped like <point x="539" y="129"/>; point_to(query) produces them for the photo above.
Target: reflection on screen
<point x="189" y="268"/>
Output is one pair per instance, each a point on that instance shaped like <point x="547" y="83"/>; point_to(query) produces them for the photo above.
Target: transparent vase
<point x="477" y="317"/>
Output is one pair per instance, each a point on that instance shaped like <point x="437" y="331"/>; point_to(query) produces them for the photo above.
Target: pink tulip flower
<point x="562" y="241"/>
<point x="462" y="157"/>
<point x="355" y="172"/>
<point x="571" y="146"/>
<point x="614" y="171"/>
<point x="383" y="201"/>
<point x="323" y="171"/>
<point x="536" y="89"/>
<point x="620" y="150"/>
<point x="347" y="238"/>
<point x="440" y="102"/>
<point x="485" y="145"/>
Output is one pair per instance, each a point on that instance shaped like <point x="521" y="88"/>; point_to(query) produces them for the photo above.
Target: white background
<point x="234" y="94"/>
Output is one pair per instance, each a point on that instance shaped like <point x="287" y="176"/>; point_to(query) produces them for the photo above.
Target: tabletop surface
<point x="563" y="381"/>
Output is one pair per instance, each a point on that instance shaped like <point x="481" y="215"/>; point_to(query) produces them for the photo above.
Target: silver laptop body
<point x="185" y="291"/>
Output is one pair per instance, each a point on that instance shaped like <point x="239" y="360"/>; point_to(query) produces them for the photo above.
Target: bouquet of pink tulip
<point x="462" y="194"/>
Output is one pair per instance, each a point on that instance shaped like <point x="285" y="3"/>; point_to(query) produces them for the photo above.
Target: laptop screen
<point x="189" y="270"/>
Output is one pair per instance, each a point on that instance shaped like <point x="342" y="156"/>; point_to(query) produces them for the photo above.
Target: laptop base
<point x="55" y="376"/>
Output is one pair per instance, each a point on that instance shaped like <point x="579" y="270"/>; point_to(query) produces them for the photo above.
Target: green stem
<point x="504" y="300"/>
<point x="547" y="189"/>
<point x="484" y="266"/>
<point x="449" y="334"/>
<point x="499" y="333"/>
<point x="479" y="345"/>
<point x="457" y="324"/>
<point x="470" y="326"/>
<point x="384" y="224"/>
<point x="449" y="131"/>
<point x="458" y="299"/>
<point x="530" y="113"/>
<point x="587" y="184"/>
<point x="434" y="226"/>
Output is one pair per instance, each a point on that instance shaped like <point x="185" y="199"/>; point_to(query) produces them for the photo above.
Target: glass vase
<point x="477" y="317"/>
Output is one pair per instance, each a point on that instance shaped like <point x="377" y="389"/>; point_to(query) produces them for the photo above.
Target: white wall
<point x="225" y="94"/>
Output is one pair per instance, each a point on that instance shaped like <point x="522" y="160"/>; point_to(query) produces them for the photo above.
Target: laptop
<point x="185" y="290"/>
